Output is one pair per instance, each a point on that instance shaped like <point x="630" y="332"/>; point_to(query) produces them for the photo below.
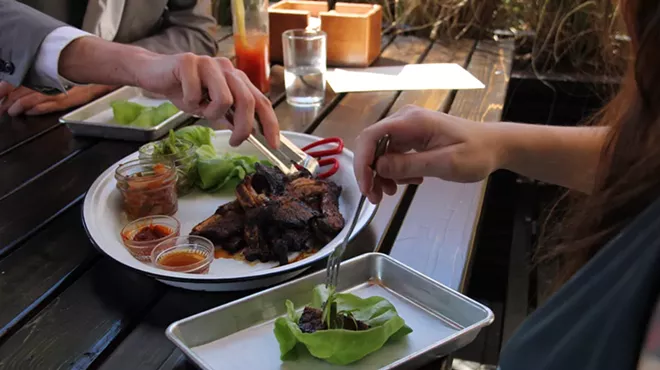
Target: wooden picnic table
<point x="64" y="305"/>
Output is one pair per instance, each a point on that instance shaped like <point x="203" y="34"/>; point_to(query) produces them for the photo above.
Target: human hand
<point x="185" y="79"/>
<point x="22" y="100"/>
<point x="424" y="143"/>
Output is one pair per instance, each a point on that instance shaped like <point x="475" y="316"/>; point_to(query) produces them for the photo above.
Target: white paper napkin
<point x="436" y="76"/>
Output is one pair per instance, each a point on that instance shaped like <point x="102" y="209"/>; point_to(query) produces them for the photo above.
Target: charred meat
<point x="291" y="212"/>
<point x="274" y="215"/>
<point x="311" y="321"/>
<point x="227" y="222"/>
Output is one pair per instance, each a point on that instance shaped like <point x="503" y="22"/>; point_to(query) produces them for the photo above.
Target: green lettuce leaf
<point x="218" y="172"/>
<point x="137" y="115"/>
<point x="206" y="152"/>
<point x="145" y="119"/>
<point x="125" y="112"/>
<point x="198" y="135"/>
<point x="339" y="346"/>
<point x="163" y="112"/>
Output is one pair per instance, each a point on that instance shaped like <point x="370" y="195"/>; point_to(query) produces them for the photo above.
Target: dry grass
<point x="567" y="34"/>
<point x="575" y="35"/>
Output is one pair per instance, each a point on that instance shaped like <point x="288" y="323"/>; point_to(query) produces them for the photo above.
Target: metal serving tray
<point x="95" y="118"/>
<point x="239" y="335"/>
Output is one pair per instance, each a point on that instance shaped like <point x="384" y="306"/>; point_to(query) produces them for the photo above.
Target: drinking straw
<point x="239" y="11"/>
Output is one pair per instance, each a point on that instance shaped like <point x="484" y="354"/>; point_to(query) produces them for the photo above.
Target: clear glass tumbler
<point x="304" y="66"/>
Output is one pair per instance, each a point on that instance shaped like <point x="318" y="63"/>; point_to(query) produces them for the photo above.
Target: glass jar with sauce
<point x="190" y="254"/>
<point x="184" y="159"/>
<point x="141" y="236"/>
<point x="148" y="187"/>
<point x="250" y="25"/>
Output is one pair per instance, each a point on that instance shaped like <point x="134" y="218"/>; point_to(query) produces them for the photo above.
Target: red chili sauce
<point x="151" y="232"/>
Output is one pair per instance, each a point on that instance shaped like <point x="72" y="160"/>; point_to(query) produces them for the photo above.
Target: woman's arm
<point x="187" y="30"/>
<point x="566" y="156"/>
<point x="433" y="144"/>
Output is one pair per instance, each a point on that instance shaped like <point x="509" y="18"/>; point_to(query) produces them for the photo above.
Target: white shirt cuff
<point x="47" y="60"/>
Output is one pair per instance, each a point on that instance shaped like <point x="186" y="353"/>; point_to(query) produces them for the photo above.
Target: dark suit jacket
<point x="159" y="25"/>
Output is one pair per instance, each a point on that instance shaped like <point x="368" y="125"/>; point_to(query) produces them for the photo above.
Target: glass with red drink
<point x="250" y="25"/>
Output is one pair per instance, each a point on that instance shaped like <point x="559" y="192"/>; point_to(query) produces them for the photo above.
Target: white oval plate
<point x="104" y="219"/>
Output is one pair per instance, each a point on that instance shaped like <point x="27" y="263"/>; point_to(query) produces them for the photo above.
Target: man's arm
<point x="185" y="29"/>
<point x="114" y="63"/>
<point x="22" y="31"/>
<point x="185" y="79"/>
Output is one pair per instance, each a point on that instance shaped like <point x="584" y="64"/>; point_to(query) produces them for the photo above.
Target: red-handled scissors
<point x="321" y="155"/>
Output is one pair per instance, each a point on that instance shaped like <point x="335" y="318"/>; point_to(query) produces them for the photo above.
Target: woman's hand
<point x="22" y="100"/>
<point x="425" y="143"/>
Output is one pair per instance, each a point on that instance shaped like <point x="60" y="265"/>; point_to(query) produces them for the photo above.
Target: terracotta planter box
<point x="354" y="30"/>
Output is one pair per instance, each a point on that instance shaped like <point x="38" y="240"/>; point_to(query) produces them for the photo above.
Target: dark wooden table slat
<point x="47" y="262"/>
<point x="76" y="327"/>
<point x="147" y="346"/>
<point x="26" y="162"/>
<point x="39" y="201"/>
<point x="15" y="132"/>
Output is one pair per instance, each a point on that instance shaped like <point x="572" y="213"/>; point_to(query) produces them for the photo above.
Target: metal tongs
<point x="332" y="272"/>
<point x="287" y="157"/>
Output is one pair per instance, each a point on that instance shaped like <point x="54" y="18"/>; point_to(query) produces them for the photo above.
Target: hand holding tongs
<point x="332" y="272"/>
<point x="287" y="158"/>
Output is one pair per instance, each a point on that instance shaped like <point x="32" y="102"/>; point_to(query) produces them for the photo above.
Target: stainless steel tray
<point x="95" y="118"/>
<point x="239" y="335"/>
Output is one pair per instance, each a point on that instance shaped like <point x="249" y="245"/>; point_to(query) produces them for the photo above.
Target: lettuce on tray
<point x="125" y="112"/>
<point x="133" y="114"/>
<point x="341" y="346"/>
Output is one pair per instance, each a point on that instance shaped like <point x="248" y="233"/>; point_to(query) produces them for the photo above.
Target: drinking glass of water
<point x="304" y="66"/>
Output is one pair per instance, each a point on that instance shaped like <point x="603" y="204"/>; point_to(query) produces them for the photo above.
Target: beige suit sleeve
<point x="185" y="30"/>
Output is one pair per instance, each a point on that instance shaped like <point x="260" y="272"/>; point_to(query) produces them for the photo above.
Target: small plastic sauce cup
<point x="141" y="236"/>
<point x="190" y="254"/>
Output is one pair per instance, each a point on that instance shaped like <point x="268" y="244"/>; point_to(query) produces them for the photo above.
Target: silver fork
<point x="332" y="272"/>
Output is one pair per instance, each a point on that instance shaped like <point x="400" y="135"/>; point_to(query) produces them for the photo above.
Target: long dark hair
<point x="628" y="176"/>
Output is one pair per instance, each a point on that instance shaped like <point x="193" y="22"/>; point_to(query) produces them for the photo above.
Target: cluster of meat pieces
<point x="275" y="214"/>
<point x="311" y="321"/>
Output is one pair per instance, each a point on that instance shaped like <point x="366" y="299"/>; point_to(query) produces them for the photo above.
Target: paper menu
<point x="435" y="76"/>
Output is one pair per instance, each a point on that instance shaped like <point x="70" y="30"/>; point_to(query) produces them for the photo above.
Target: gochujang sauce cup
<point x="141" y="236"/>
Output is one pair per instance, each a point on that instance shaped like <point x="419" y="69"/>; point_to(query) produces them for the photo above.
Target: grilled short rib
<point x="311" y="320"/>
<point x="275" y="214"/>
